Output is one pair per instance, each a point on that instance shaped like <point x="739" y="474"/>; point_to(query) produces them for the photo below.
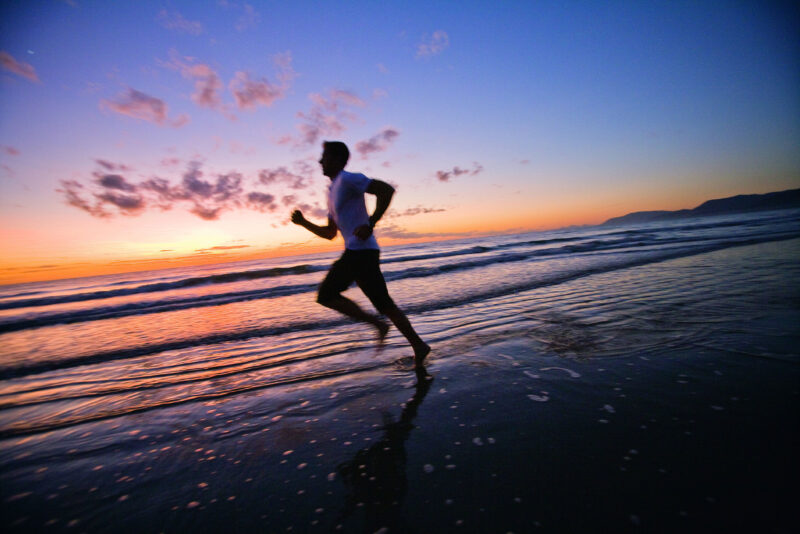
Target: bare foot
<point x="420" y="353"/>
<point x="383" y="329"/>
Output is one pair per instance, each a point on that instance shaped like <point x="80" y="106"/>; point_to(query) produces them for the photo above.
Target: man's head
<point x="334" y="158"/>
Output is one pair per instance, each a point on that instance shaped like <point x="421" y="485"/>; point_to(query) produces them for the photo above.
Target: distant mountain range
<point x="738" y="204"/>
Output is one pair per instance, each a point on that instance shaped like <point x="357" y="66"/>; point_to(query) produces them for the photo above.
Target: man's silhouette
<point x="347" y="213"/>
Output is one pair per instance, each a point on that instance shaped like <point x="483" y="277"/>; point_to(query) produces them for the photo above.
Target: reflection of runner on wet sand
<point x="376" y="476"/>
<point x="347" y="212"/>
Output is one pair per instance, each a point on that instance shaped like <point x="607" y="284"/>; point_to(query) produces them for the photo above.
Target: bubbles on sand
<point x="539" y="398"/>
<point x="428" y="468"/>
<point x="570" y="372"/>
<point x="609" y="408"/>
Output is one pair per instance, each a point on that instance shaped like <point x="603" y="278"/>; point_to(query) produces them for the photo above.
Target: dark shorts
<point x="363" y="268"/>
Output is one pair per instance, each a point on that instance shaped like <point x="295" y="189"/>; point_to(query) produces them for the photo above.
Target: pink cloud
<point x="435" y="44"/>
<point x="377" y="143"/>
<point x="444" y="176"/>
<point x="250" y="93"/>
<point x="142" y="106"/>
<point x="10" y="150"/>
<point x="175" y="21"/>
<point x="19" y="68"/>
<point x="207" y="86"/>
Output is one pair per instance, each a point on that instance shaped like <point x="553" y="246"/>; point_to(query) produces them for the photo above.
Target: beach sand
<point x="551" y="427"/>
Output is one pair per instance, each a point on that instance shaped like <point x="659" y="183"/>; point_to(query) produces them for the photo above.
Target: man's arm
<point x="383" y="193"/>
<point x="325" y="232"/>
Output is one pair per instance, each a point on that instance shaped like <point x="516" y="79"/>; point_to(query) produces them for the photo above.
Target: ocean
<point x="89" y="366"/>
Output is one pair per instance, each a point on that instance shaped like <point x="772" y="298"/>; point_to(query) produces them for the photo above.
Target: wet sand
<point x="497" y="439"/>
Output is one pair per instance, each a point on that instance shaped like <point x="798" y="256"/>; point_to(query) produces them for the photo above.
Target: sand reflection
<point x="376" y="476"/>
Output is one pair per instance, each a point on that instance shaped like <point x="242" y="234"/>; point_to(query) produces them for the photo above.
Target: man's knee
<point x="325" y="298"/>
<point x="386" y="307"/>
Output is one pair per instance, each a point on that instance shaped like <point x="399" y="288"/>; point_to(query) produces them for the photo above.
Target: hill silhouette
<point x="738" y="204"/>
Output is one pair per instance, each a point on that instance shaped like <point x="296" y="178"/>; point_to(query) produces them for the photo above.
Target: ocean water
<point x="91" y="349"/>
<point x="612" y="379"/>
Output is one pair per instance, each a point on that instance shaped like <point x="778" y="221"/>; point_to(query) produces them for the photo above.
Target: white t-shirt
<point x="348" y="210"/>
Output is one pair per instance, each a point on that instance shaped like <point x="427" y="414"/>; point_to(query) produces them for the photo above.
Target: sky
<point x="151" y="134"/>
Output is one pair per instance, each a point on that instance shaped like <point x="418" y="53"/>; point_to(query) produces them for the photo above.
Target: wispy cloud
<point x="398" y="232"/>
<point x="377" y="143"/>
<point x="248" y="19"/>
<point x="111" y="166"/>
<point x="142" y="106"/>
<point x="445" y="176"/>
<point x="410" y="212"/>
<point x="222" y="247"/>
<point x="9" y="150"/>
<point x="327" y="117"/>
<point x="173" y="20"/>
<point x="433" y="44"/>
<point x="20" y="68"/>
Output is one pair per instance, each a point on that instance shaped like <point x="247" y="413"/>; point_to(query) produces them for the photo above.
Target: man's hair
<point x="338" y="150"/>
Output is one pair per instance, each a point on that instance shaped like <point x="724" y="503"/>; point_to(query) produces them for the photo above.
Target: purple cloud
<point x="142" y="106"/>
<point x="261" y="201"/>
<point x="19" y="68"/>
<point x="398" y="232"/>
<point x="115" y="181"/>
<point x="127" y="204"/>
<point x="326" y="117"/>
<point x="281" y="175"/>
<point x="377" y="143"/>
<point x="206" y="195"/>
<point x="444" y="176"/>
<point x="72" y="189"/>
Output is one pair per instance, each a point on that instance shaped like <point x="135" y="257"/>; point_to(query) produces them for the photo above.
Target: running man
<point x="347" y="213"/>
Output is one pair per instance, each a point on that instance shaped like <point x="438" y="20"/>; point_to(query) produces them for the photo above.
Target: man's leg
<point x="338" y="279"/>
<point x="370" y="279"/>
<point x="351" y="309"/>
<point x="421" y="349"/>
